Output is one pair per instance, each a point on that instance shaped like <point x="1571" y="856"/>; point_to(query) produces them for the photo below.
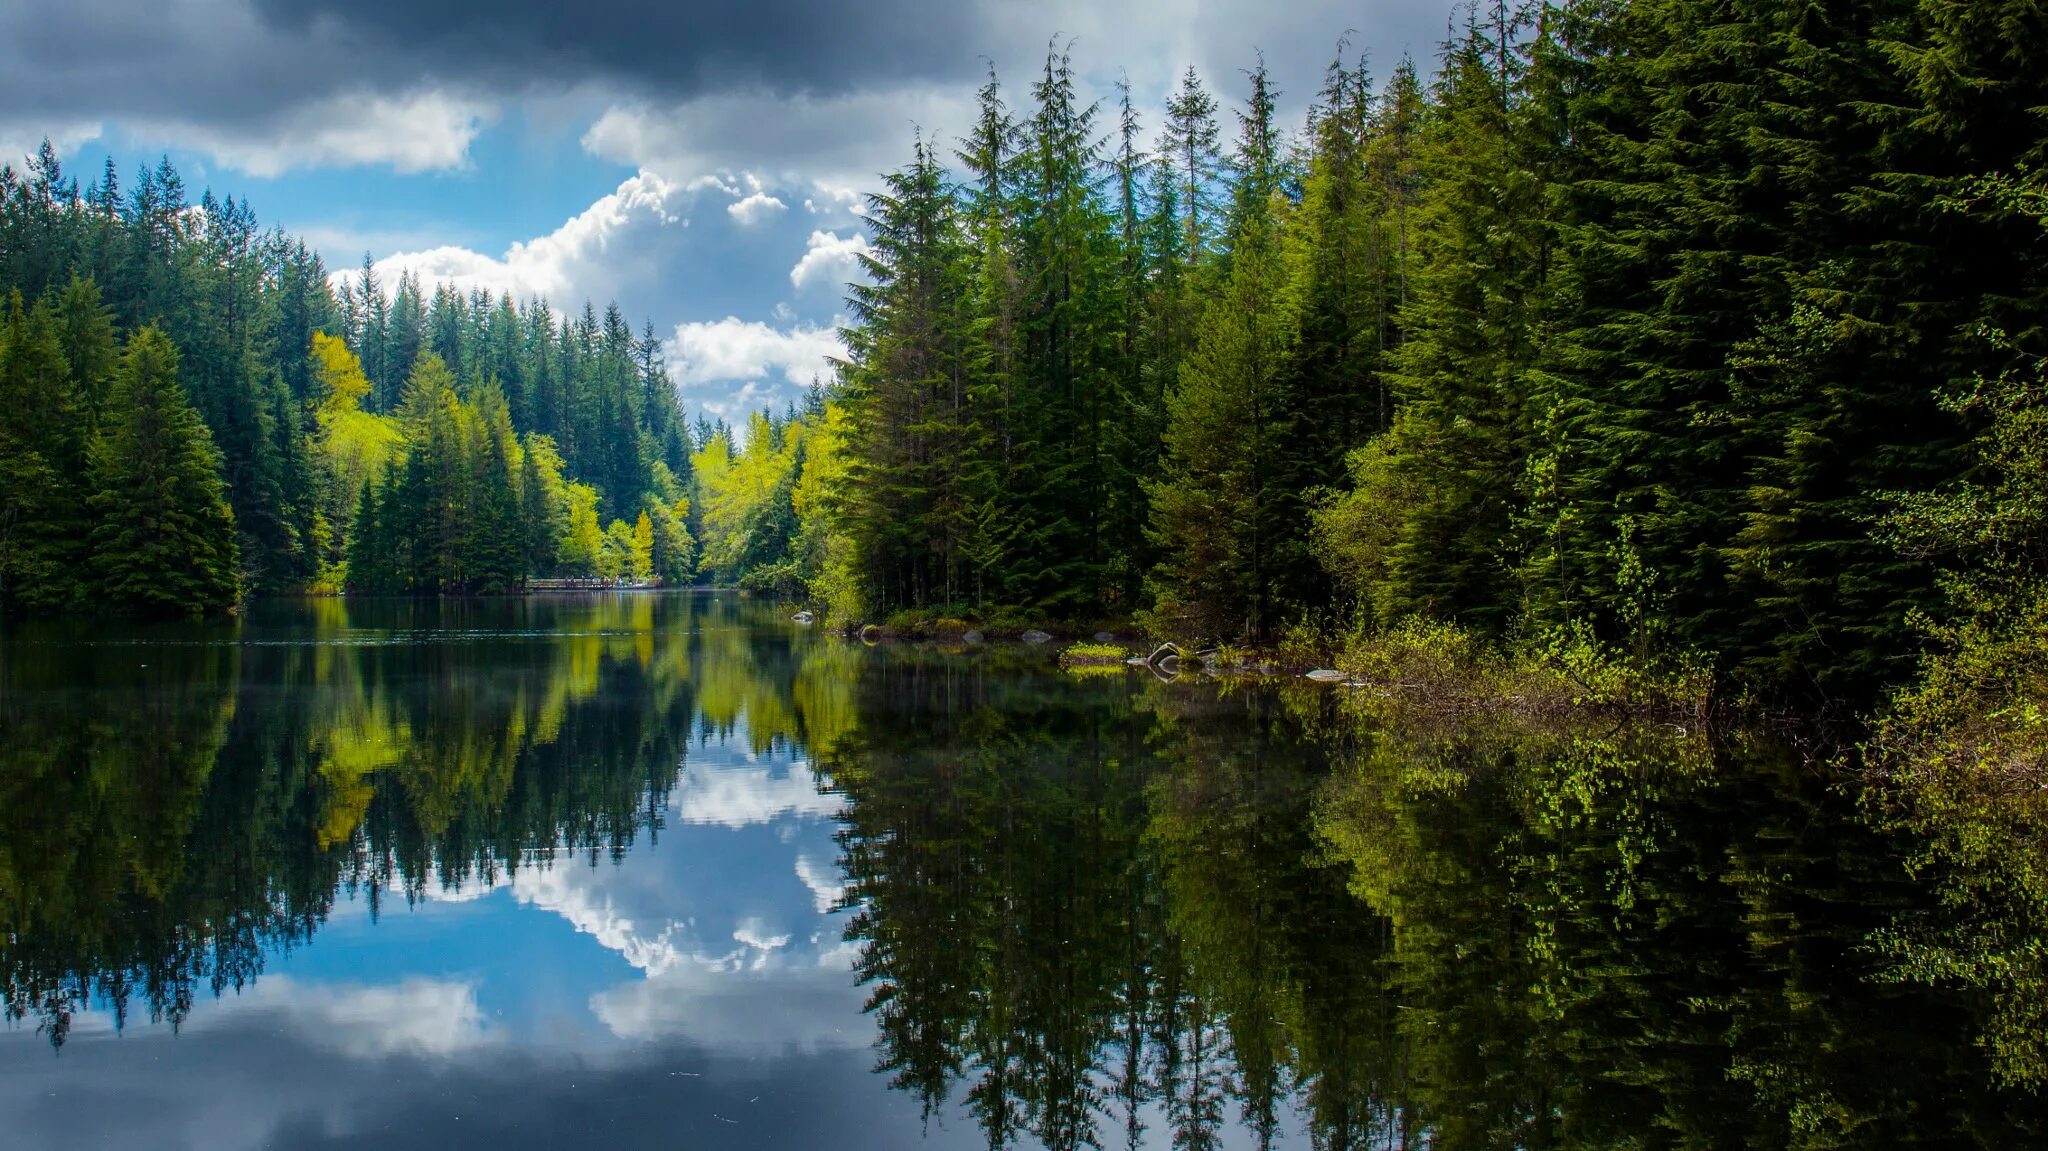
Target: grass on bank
<point x="1443" y="668"/>
<point x="1090" y="654"/>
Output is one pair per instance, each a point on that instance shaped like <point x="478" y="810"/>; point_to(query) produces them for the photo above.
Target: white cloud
<point x="769" y="1007"/>
<point x="415" y="1016"/>
<point x="740" y="796"/>
<point x="830" y="259"/>
<point x="569" y="893"/>
<point x="722" y="181"/>
<point x="415" y="132"/>
<point x="823" y="880"/>
<point x="754" y="208"/>
<point x="796" y="141"/>
<point x="21" y="140"/>
<point x="835" y="196"/>
<point x="754" y="933"/>
<point x="609" y="247"/>
<point x="707" y="359"/>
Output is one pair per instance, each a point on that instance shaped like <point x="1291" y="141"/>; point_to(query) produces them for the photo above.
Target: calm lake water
<point x="667" y="870"/>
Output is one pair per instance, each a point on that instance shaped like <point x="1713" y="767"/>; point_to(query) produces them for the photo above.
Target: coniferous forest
<point x="1651" y="326"/>
<point x="191" y="413"/>
<point x="1560" y="523"/>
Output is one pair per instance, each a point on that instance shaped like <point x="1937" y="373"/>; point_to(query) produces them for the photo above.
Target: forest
<point x="1652" y="327"/>
<point x="1663" y="326"/>
<point x="190" y="413"/>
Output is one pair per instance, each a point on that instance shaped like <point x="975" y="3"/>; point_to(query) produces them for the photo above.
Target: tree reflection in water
<point x="1089" y="911"/>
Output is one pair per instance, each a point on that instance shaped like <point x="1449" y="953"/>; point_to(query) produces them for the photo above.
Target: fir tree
<point x="163" y="539"/>
<point x="1219" y="510"/>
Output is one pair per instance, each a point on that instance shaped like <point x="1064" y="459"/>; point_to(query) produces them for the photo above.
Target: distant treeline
<point x="189" y="412"/>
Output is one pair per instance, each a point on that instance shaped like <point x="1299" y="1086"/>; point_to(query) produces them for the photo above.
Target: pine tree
<point x="163" y="540"/>
<point x="1218" y="510"/>
<point x="86" y="331"/>
<point x="1430" y="526"/>
<point x="496" y="559"/>
<point x="906" y="388"/>
<point x="1191" y="148"/>
<point x="1067" y="324"/>
<point x="44" y="437"/>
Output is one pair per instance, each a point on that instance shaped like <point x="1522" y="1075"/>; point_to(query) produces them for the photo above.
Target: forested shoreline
<point x="190" y="412"/>
<point x="1653" y="333"/>
<point x="1634" y="330"/>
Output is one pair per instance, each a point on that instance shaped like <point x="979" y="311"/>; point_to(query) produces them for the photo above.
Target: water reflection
<point x="661" y="868"/>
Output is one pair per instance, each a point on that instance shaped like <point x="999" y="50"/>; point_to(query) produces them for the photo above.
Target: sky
<point x="702" y="165"/>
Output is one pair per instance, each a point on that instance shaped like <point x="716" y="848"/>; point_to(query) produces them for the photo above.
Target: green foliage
<point x="1962" y="753"/>
<point x="44" y="441"/>
<point x="163" y="537"/>
<point x="309" y="396"/>
<point x="1607" y="337"/>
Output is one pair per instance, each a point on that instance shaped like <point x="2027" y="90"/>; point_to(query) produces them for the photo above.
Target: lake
<point x="670" y="870"/>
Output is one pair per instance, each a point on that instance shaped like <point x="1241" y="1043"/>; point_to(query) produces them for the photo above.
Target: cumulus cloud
<point x="615" y="244"/>
<point x="755" y="208"/>
<point x="415" y="132"/>
<point x="753" y="932"/>
<point x="741" y="796"/>
<point x="823" y="880"/>
<point x="731" y="366"/>
<point x="653" y="948"/>
<point x="832" y="197"/>
<point x="792" y="141"/>
<point x="415" y="1016"/>
<point x="20" y="140"/>
<point x="829" y="259"/>
<point x="770" y="1009"/>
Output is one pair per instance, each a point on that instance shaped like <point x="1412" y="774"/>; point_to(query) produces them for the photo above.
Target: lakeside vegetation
<point x="1623" y="327"/>
<point x="1660" y="348"/>
<point x="191" y="412"/>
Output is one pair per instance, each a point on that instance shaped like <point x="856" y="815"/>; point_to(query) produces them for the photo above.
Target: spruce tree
<point x="44" y="437"/>
<point x="1219" y="509"/>
<point x="163" y="538"/>
<point x="906" y="388"/>
<point x="1429" y="528"/>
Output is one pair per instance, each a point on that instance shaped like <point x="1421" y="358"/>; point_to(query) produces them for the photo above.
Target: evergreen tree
<point x="43" y="443"/>
<point x="1219" y="510"/>
<point x="1192" y="149"/>
<point x="163" y="540"/>
<point x="906" y="388"/>
<point x="496" y="562"/>
<point x="1429" y="526"/>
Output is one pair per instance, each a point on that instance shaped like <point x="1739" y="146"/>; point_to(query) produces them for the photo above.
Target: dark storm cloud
<point x="655" y="47"/>
<point x="267" y="85"/>
<point x="244" y="71"/>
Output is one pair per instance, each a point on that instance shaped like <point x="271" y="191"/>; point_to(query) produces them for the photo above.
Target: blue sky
<point x="699" y="164"/>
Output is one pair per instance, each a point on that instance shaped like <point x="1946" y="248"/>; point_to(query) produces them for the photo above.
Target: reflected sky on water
<point x="671" y="870"/>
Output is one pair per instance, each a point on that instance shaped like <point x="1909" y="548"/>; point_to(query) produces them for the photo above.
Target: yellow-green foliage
<point x="1442" y="667"/>
<point x="352" y="447"/>
<point x="1094" y="653"/>
<point x="738" y="491"/>
<point x="823" y="548"/>
<point x="615" y="551"/>
<point x="583" y="542"/>
<point x="643" y="549"/>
